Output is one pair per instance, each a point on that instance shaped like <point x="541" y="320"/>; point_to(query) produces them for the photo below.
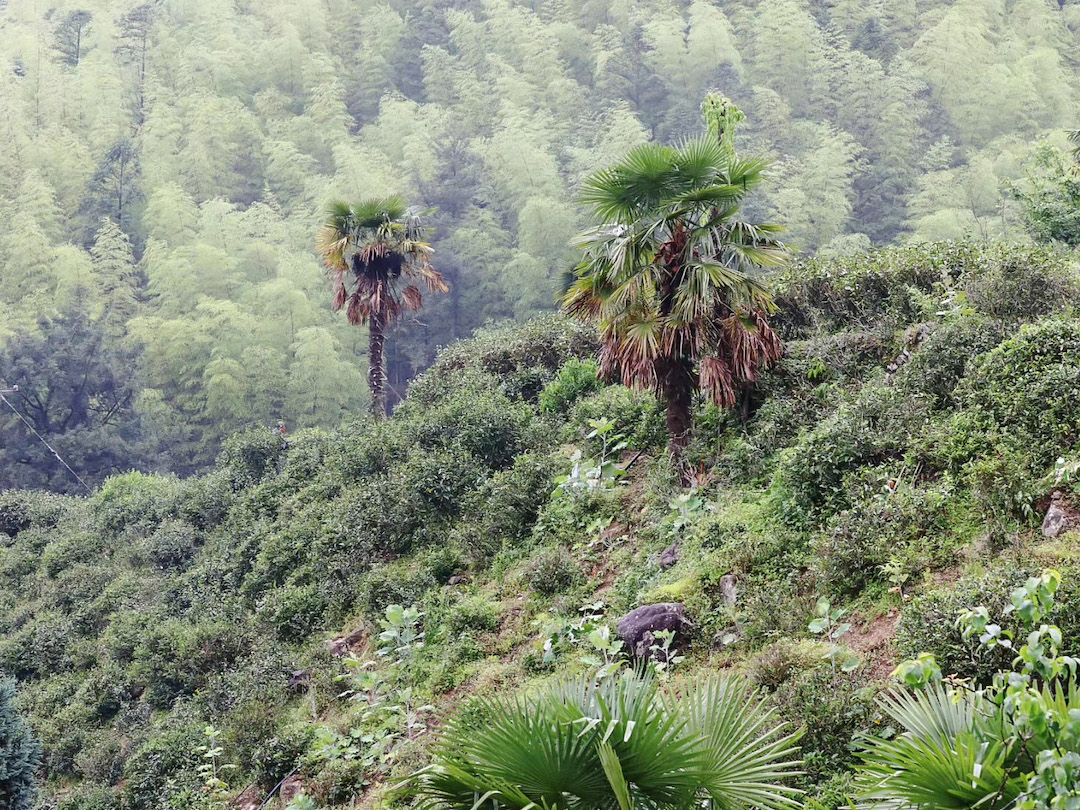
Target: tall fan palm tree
<point x="667" y="273"/>
<point x="377" y="256"/>
<point x="619" y="745"/>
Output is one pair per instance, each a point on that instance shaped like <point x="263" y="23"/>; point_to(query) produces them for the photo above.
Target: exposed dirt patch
<point x="873" y="640"/>
<point x="249" y="799"/>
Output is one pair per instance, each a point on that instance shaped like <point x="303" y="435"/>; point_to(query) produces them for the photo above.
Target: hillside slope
<point x="898" y="461"/>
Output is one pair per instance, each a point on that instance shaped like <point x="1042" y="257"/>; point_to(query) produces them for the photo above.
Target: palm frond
<point x="376" y="211"/>
<point x="646" y="176"/>
<point x="701" y="162"/>
<point x="942" y="759"/>
<point x="750" y="753"/>
<point x="616" y="745"/>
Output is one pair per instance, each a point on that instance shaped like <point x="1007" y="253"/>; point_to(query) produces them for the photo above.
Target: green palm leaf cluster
<point x="960" y="750"/>
<point x="668" y="274"/>
<point x="950" y="755"/>
<point x="617" y="745"/>
<point x="380" y="264"/>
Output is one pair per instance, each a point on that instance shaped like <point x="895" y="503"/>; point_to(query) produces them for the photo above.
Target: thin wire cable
<point x="33" y="430"/>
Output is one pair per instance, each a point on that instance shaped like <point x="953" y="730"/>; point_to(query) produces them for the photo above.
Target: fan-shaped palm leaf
<point x="612" y="746"/>
<point x="944" y="758"/>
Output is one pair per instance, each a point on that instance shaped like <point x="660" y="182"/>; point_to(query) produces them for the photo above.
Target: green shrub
<point x="475" y="419"/>
<point x="392" y="585"/>
<point x="552" y="571"/>
<point x="812" y="472"/>
<point x="172" y="545"/>
<point x="248" y="457"/>
<point x="1021" y="282"/>
<point x="833" y="793"/>
<point x="380" y="516"/>
<point x="940" y="361"/>
<point x="821" y="295"/>
<point x="833" y="711"/>
<point x="176" y="657"/>
<point x="928" y="622"/>
<point x="162" y="767"/>
<point x="506" y="507"/>
<point x="512" y="353"/>
<point x="69" y="550"/>
<point x="364" y="448"/>
<point x="906" y="525"/>
<point x="338" y="782"/>
<point x="442" y="478"/>
<point x="39" y="649"/>
<point x="575" y="380"/>
<point x="1002" y="281"/>
<point x="781" y="661"/>
<point x="637" y="415"/>
<point x="277" y="756"/>
<point x="875" y="427"/>
<point x="20" y="510"/>
<point x="472" y="613"/>
<point x="442" y="562"/>
<point x="133" y="502"/>
<point x="102" y="759"/>
<point x="93" y="798"/>
<point x="1026" y="391"/>
<point x="1004" y="486"/>
<point x="294" y="612"/>
<point x="104" y="691"/>
<point x="204" y="501"/>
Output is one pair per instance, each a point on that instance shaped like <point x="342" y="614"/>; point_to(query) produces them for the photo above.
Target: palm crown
<point x="667" y="273"/>
<point x="377" y="256"/>
<point x="380" y="243"/>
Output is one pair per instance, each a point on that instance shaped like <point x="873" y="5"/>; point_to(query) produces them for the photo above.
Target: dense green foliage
<point x="19" y="754"/>
<point x="174" y="158"/>
<point x="897" y="461"/>
<point x="1012" y="743"/>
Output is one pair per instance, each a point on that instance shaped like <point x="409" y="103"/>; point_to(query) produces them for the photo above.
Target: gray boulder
<point x="1060" y="516"/>
<point x="637" y="628"/>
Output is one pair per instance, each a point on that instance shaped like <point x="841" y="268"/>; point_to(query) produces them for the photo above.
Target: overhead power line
<point x="33" y="430"/>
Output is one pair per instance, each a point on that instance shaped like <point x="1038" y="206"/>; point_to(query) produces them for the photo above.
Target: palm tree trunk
<point x="677" y="388"/>
<point x="678" y="402"/>
<point x="377" y="364"/>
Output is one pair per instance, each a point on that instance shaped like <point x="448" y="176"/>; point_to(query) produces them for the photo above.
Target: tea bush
<point x="929" y="624"/>
<point x="905" y="525"/>
<point x="552" y="571"/>
<point x="833" y="710"/>
<point x="576" y="379"/>
<point x="1026" y="391"/>
<point x="637" y="416"/>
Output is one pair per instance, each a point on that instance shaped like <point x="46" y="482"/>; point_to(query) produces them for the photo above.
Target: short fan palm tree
<point x="379" y="261"/>
<point x="667" y="275"/>
<point x="617" y="746"/>
<point x="956" y="751"/>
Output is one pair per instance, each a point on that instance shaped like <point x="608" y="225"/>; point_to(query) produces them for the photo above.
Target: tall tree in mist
<point x="666" y="273"/>
<point x="376" y="253"/>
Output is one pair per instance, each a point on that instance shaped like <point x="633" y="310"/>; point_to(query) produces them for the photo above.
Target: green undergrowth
<point x="894" y="467"/>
